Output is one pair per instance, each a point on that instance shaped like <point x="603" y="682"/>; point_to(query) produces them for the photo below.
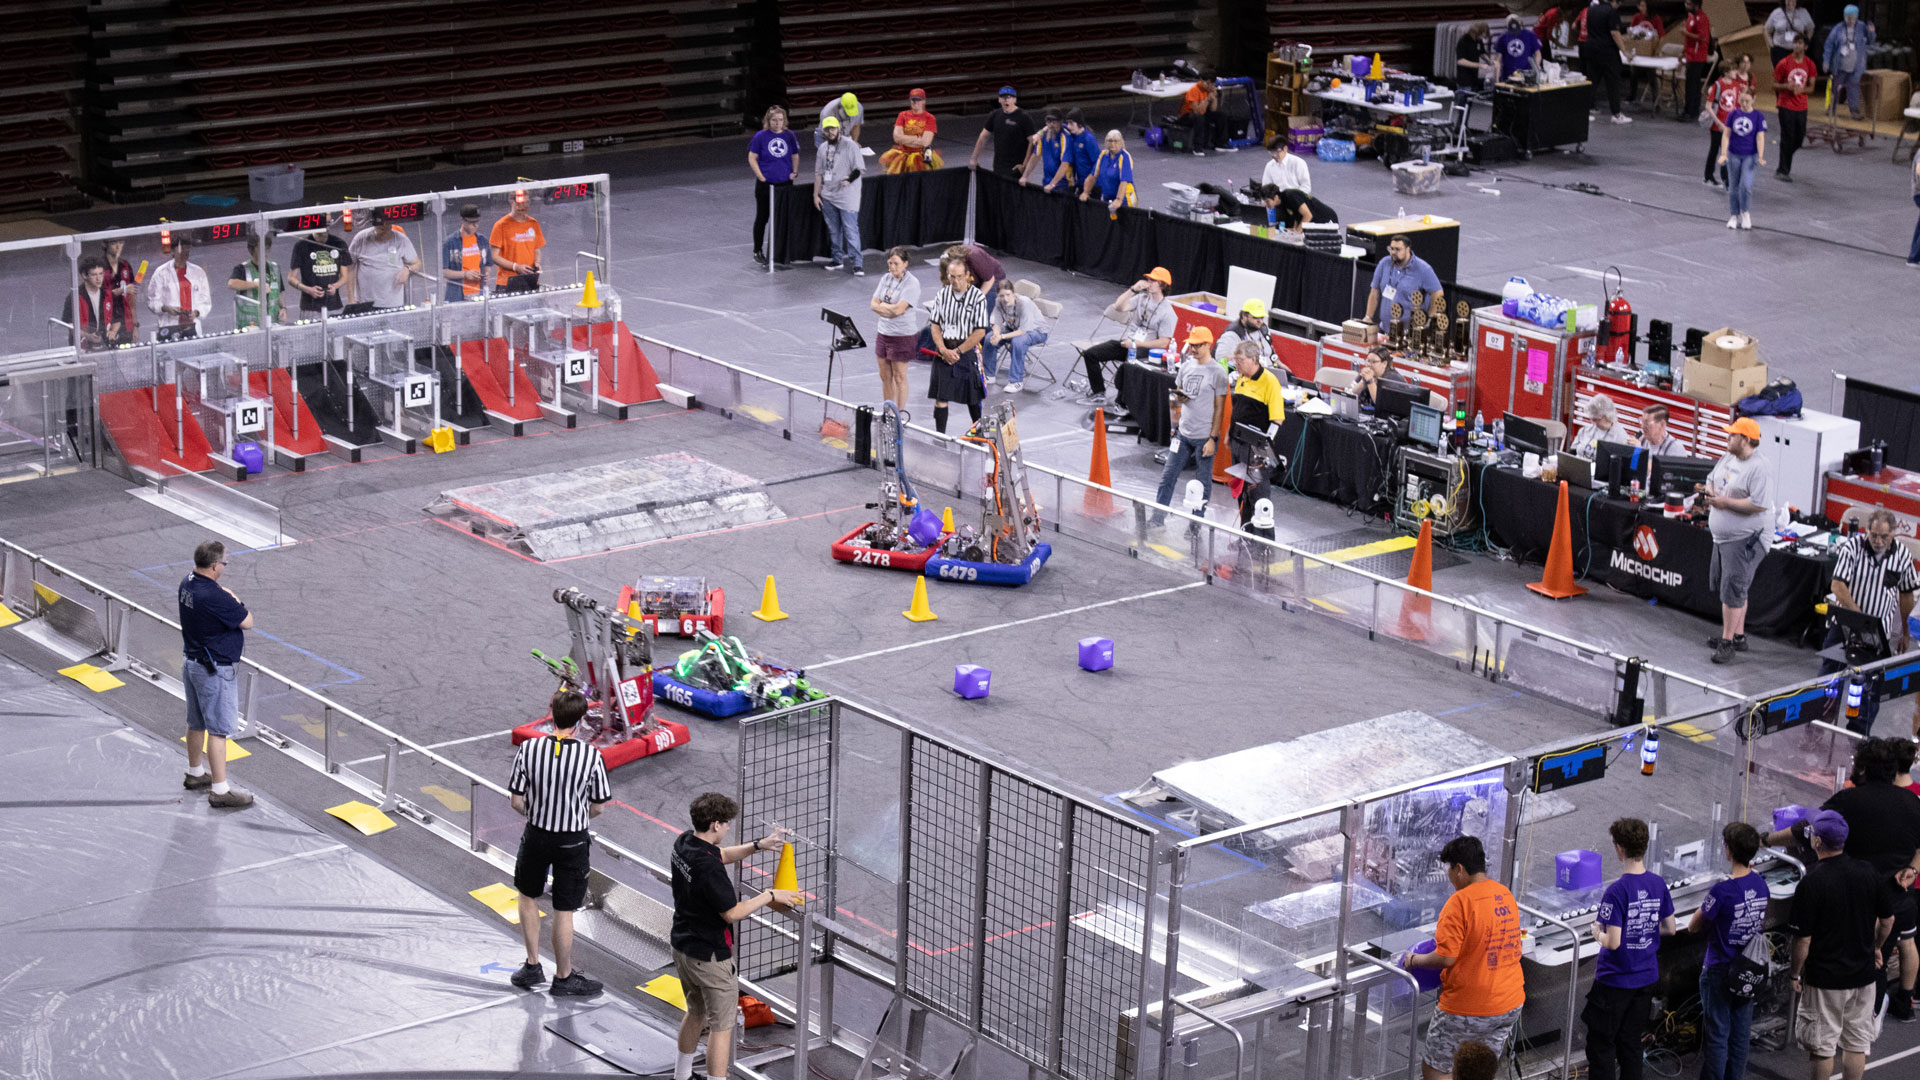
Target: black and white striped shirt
<point x="1877" y="581"/>
<point x="559" y="777"/>
<point x="957" y="316"/>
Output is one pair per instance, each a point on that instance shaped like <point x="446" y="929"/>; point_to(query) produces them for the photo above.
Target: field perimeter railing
<point x="1496" y="646"/>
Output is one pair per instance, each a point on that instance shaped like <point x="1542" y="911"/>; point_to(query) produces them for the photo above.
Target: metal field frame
<point x="1023" y="914"/>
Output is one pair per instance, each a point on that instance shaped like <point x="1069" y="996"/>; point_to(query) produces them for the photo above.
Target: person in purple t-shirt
<point x="1635" y="912"/>
<point x="771" y="155"/>
<point x="1744" y="151"/>
<point x="1733" y="912"/>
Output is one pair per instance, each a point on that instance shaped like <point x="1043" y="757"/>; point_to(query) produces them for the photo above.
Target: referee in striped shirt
<point x="559" y="783"/>
<point x="1873" y="575"/>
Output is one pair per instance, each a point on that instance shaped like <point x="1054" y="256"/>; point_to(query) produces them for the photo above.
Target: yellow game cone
<point x="784" y="875"/>
<point x="440" y="440"/>
<point x="946" y="519"/>
<point x="589" y="296"/>
<point x="769" y="604"/>
<point x="921" y="611"/>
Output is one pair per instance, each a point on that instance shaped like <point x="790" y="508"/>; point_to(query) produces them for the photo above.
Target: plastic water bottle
<point x="1402" y="213"/>
<point x="1479" y="425"/>
<point x="1500" y="434"/>
<point x="1273" y="217"/>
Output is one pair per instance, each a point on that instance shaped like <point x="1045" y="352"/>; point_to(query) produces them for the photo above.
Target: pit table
<point x="1543" y="117"/>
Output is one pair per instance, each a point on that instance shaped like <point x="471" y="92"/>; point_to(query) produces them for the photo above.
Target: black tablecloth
<point x="1144" y="392"/>
<point x="1609" y="548"/>
<point x="914" y="209"/>
<point x="1334" y="459"/>
<point x="1541" y="119"/>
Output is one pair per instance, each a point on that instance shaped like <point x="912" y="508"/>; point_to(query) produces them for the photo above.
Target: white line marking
<point x="1005" y="625"/>
<point x="351" y="1039"/>
<point x="1594" y="274"/>
<point x="1908" y="1052"/>
<point x="438" y="745"/>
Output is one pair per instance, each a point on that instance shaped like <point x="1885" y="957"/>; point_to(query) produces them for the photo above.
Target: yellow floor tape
<point x="234" y="750"/>
<point x="1166" y="552"/>
<point x="47" y="596"/>
<point x="91" y="677"/>
<point x="368" y="819"/>
<point x="667" y="989"/>
<point x="503" y="900"/>
<point x="7" y="617"/>
<point x="1361" y="551"/>
<point x="448" y="798"/>
<point x="765" y="416"/>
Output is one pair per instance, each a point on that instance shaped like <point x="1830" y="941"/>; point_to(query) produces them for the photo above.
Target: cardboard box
<point x="1357" y="331"/>
<point x="1723" y="386"/>
<point x="1884" y="93"/>
<point x="1729" y="348"/>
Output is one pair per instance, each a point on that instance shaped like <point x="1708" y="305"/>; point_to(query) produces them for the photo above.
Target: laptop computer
<point x="1345" y="405"/>
<point x="1863" y="637"/>
<point x="1576" y="471"/>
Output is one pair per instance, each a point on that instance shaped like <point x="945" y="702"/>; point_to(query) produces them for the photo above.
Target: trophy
<point x="1419" y="340"/>
<point x="1442" y="327"/>
<point x="1463" y="327"/>
<point x="1396" y="329"/>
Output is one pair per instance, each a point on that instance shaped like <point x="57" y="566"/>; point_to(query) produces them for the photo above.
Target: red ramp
<point x="144" y="434"/>
<point x="637" y="381"/>
<point x="285" y="402"/>
<point x="487" y="365"/>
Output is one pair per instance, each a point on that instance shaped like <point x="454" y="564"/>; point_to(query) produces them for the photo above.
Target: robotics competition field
<point x="417" y="622"/>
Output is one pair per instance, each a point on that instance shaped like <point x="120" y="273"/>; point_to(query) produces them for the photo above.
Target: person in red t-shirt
<point x="1641" y="17"/>
<point x="913" y="132"/>
<point x="1697" y="43"/>
<point x="1722" y="98"/>
<point x="1792" y="78"/>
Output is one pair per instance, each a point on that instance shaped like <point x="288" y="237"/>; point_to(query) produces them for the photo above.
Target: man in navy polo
<point x="212" y="625"/>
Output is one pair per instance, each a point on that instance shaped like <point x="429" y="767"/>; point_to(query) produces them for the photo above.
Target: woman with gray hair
<point x="1600" y="427"/>
<point x="1112" y="175"/>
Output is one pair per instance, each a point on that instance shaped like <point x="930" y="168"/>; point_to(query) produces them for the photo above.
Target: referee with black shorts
<point x="559" y="783"/>
<point x="1873" y="575"/>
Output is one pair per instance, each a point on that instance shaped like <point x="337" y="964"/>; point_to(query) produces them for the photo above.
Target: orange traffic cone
<point x="1557" y="582"/>
<point x="1098" y="472"/>
<point x="1222" y="461"/>
<point x="1416" y="611"/>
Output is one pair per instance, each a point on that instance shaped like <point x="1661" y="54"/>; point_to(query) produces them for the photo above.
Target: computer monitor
<point x="1395" y="401"/>
<point x="1301" y="381"/>
<point x="1423" y="425"/>
<point x="1617" y="464"/>
<point x="1526" y="435"/>
<point x="1678" y="473"/>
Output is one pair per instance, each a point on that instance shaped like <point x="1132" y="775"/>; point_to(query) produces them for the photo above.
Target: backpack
<point x="1781" y="397"/>
<point x="1748" y="971"/>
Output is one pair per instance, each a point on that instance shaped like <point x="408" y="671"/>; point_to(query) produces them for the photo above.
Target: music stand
<point x="846" y="336"/>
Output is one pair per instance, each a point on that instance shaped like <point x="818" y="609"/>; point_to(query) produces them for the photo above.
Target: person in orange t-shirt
<point x="1200" y="111"/>
<point x="1477" y="949"/>
<point x="516" y="241"/>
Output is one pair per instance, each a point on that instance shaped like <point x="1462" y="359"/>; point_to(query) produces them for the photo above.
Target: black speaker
<point x="1695" y="338"/>
<point x="1659" y="341"/>
<point x="863" y="436"/>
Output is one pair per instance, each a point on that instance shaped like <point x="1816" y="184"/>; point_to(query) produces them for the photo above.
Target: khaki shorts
<point x="1837" y="1018"/>
<point x="712" y="988"/>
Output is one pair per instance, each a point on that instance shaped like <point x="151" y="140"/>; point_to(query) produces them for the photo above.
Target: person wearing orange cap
<point x="1200" y="389"/>
<point x="1147" y="321"/>
<point x="1740" y="510"/>
<point x="913" y="132"/>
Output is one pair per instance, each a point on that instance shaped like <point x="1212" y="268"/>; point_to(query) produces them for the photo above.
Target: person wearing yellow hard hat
<point x="845" y="109"/>
<point x="1200" y="387"/>
<point x="1249" y="325"/>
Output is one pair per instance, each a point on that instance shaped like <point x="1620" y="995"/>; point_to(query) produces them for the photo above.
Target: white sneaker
<point x="1733" y="221"/>
<point x="1014" y="387"/>
<point x="1622" y="118"/>
<point x="1746" y="220"/>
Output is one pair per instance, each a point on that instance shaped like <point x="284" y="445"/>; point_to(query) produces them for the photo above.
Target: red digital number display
<point x="566" y="192"/>
<point x="217" y="233"/>
<point x="404" y="212"/>
<point x="306" y="222"/>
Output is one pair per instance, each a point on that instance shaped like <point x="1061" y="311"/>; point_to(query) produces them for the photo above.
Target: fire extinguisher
<point x="1619" y="348"/>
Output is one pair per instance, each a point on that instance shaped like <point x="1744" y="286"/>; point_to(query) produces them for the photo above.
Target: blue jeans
<point x="1850" y="81"/>
<point x="1740" y="170"/>
<point x="1913" y="253"/>
<point x="1017" y="347"/>
<point x="1184" y="450"/>
<point x="213" y="704"/>
<point x="1725" y="1027"/>
<point x="843" y="233"/>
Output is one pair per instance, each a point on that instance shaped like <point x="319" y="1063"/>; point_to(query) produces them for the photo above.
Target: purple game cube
<point x="1786" y="817"/>
<point x="970" y="680"/>
<point x="1096" y="653"/>
<point x="1577" y="869"/>
<point x="1428" y="978"/>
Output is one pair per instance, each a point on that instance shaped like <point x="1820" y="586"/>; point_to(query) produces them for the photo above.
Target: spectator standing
<point x="1545" y="25"/>
<point x="1256" y="404"/>
<point x="179" y="293"/>
<point x="1017" y="328"/>
<point x="213" y="622"/>
<point x="771" y="155"/>
<point x="845" y="109"/>
<point x="1739" y="497"/>
<point x="836" y="194"/>
<point x="1010" y="128"/>
<point x="1200" y="387"/>
<point x="100" y="321"/>
<point x="558" y="784"/>
<point x="1602" y="51"/>
<point x="1083" y="149"/>
<point x="1723" y="97"/>
<point x="1635" y="912"/>
<point x="1148" y="319"/>
<point x="1696" y="38"/>
<point x="1842" y="913"/>
<point x="1601" y="426"/>
<point x="705" y="909"/>
<point x="1249" y="326"/>
<point x="322" y="268"/>
<point x="1287" y="170"/>
<point x="1472" y="65"/>
<point x="1200" y="111"/>
<point x="1848" y="44"/>
<point x="386" y="258"/>
<point x="464" y="258"/>
<point x="1733" y="912"/>
<point x="248" y="288"/>
<point x="959" y="323"/>
<point x="1477" y="949"/>
<point x="1787" y="25"/>
<point x="1743" y="153"/>
<point x="1792" y="77"/>
<point x="1049" y="154"/>
<point x="1519" y="49"/>
<point x="1873" y="575"/>
<point x="1111" y="175"/>
<point x="987" y="271"/>
<point x="125" y="286"/>
<point x="1655" y="435"/>
<point x="896" y="299"/>
<point x="1396" y="278"/>
<point x="517" y="241"/>
<point x="913" y="132"/>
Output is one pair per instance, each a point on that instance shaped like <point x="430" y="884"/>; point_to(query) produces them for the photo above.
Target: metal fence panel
<point x="942" y="842"/>
<point x="1110" y="888"/>
<point x="786" y="778"/>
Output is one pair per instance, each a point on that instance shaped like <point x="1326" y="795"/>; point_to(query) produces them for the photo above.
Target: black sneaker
<point x="760" y="257"/>
<point x="529" y="976"/>
<point x="1785" y="178"/>
<point x="1739" y="643"/>
<point x="575" y="985"/>
<point x="1900" y="1008"/>
<point x="1722" y="651"/>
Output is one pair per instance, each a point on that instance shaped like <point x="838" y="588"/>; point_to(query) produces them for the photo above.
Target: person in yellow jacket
<point x="1257" y="412"/>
